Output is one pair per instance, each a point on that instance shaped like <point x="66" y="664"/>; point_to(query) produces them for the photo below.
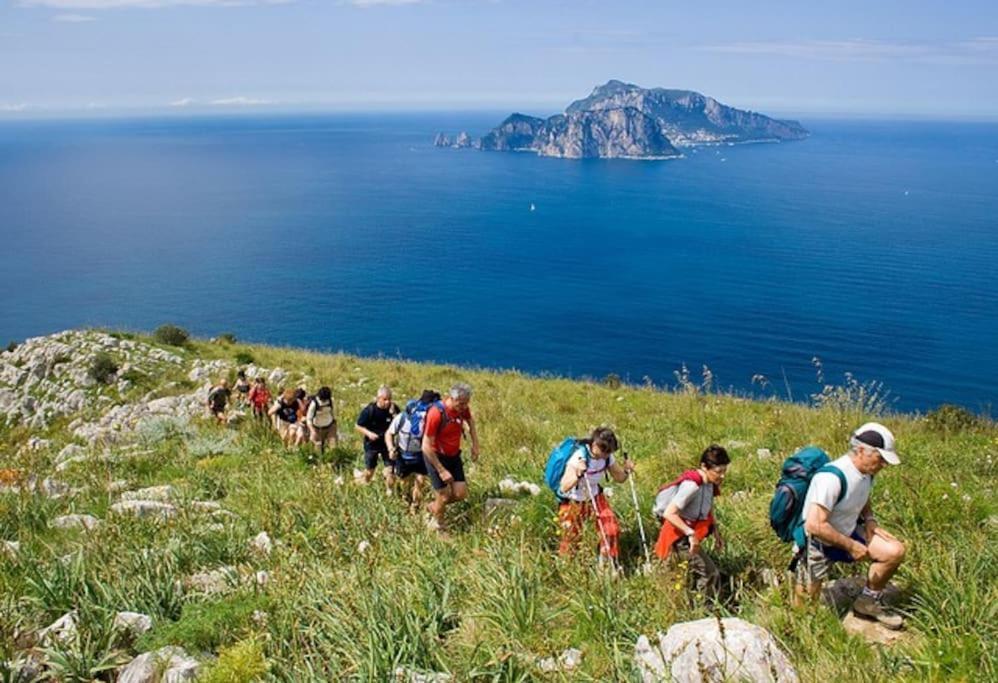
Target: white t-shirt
<point x="594" y="474"/>
<point x="824" y="490"/>
<point x="694" y="502"/>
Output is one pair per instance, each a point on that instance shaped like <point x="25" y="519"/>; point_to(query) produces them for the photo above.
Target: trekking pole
<point x="637" y="512"/>
<point x="604" y="541"/>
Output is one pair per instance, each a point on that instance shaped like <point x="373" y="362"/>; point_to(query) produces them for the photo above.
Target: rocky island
<point x="625" y="121"/>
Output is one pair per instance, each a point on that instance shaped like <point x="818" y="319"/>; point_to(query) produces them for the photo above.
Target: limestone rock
<point x="62" y="630"/>
<point x="69" y="452"/>
<point x="871" y="631"/>
<point x="217" y="580"/>
<point x="144" y="508"/>
<point x="406" y="675"/>
<point x="713" y="650"/>
<point x="566" y="661"/>
<point x="262" y="544"/>
<point x="163" y="494"/>
<point x="134" y="622"/>
<point x="166" y="665"/>
<point x="87" y="522"/>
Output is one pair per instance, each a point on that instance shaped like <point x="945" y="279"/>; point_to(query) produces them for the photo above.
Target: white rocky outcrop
<point x="261" y="544"/>
<point x="213" y="581"/>
<point x="62" y="630"/>
<point x="76" y="521"/>
<point x="134" y="622"/>
<point x="145" y="508"/>
<point x="566" y="661"/>
<point x="163" y="494"/>
<point x="406" y="675"/>
<point x="166" y="665"/>
<point x="713" y="650"/>
<point x="48" y="377"/>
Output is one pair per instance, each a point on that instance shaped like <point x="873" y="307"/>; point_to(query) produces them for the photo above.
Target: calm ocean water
<point x="871" y="245"/>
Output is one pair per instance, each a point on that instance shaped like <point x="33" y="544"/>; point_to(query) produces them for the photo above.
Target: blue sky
<point x="911" y="58"/>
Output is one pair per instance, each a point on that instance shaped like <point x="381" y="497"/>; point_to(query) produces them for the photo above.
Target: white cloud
<point x="73" y="18"/>
<point x="974" y="51"/>
<point x="240" y="102"/>
<point x="119" y="4"/>
<point x="13" y="107"/>
<point x="383" y="3"/>
<point x="182" y="102"/>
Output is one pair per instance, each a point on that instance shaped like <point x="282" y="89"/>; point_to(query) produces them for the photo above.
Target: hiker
<point x="301" y="429"/>
<point x="405" y="450"/>
<point x="373" y="422"/>
<point x="285" y="415"/>
<point x="218" y="399"/>
<point x="686" y="508"/>
<point x="259" y="397"/>
<point x="242" y="387"/>
<point x="320" y="419"/>
<point x="442" y="450"/>
<point x="581" y="493"/>
<point x="839" y="526"/>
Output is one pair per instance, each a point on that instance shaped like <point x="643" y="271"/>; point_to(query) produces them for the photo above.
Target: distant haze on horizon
<point x="929" y="59"/>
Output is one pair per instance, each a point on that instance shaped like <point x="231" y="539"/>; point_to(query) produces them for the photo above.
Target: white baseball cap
<point x="875" y="435"/>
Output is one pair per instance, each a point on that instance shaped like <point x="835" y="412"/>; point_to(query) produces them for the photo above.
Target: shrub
<point x="243" y="661"/>
<point x="103" y="368"/>
<point x="612" y="380"/>
<point x="227" y="338"/>
<point x="951" y="418"/>
<point x="205" y="626"/>
<point x="11" y="346"/>
<point x="171" y="334"/>
<point x="244" y="358"/>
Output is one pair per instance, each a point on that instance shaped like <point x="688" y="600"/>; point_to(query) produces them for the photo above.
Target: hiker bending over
<point x="321" y="420"/>
<point x="405" y="449"/>
<point x="373" y="422"/>
<point x="581" y="491"/>
<point x="285" y="415"/>
<point x="218" y="399"/>
<point x="839" y="526"/>
<point x="259" y="397"/>
<point x="686" y="508"/>
<point x="442" y="449"/>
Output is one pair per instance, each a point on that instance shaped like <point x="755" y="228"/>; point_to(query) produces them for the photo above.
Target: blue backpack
<point x="555" y="468"/>
<point x="410" y="436"/>
<point x="788" y="500"/>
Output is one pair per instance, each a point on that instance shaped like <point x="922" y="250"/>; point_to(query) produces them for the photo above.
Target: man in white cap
<point x="840" y="526"/>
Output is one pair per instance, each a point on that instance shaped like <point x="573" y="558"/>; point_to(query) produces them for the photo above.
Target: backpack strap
<point x="843" y="484"/>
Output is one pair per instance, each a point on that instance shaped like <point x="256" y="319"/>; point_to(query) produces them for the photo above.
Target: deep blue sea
<point x="873" y="245"/>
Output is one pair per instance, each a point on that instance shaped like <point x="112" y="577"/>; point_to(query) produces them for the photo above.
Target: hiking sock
<point x="870" y="593"/>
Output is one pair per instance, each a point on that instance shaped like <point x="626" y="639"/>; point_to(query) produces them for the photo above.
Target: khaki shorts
<point x="287" y="429"/>
<point x="815" y="564"/>
<point x="324" y="433"/>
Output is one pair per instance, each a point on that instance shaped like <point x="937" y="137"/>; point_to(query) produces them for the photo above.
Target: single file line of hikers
<point x="822" y="507"/>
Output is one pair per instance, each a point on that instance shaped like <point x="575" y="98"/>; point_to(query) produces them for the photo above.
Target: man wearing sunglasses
<point x="840" y="526"/>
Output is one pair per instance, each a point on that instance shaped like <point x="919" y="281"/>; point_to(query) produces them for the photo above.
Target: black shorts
<point x="371" y="458"/>
<point x="451" y="463"/>
<point x="403" y="467"/>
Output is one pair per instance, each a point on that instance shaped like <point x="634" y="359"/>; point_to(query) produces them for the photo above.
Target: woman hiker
<point x="686" y="508"/>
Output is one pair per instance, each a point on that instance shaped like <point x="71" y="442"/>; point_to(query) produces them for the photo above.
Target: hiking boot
<point x="870" y="608"/>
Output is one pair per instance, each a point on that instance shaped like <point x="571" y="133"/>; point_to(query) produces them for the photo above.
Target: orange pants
<point x="572" y="517"/>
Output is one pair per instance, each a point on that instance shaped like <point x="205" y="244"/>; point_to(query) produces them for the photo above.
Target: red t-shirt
<point x="448" y="437"/>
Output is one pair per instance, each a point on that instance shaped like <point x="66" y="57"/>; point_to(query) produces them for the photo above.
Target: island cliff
<point x="622" y="120"/>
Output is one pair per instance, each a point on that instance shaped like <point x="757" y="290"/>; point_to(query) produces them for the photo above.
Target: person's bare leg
<point x="886" y="555"/>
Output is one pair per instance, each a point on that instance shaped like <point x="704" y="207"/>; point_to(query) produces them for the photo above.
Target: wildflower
<point x="362" y="547"/>
<point x="953" y="484"/>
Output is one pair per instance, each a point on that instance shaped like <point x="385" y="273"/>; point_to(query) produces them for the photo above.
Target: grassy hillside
<point x="485" y="604"/>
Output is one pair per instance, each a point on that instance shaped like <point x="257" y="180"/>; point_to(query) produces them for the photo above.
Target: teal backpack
<point x="788" y="500"/>
<point x="555" y="468"/>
